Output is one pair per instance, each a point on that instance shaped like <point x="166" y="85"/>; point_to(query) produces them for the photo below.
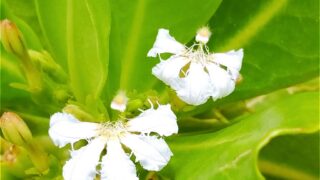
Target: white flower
<point x="119" y="102"/>
<point x="195" y="73"/>
<point x="151" y="151"/>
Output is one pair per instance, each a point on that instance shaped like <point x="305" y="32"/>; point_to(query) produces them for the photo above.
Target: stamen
<point x="112" y="130"/>
<point x="150" y="103"/>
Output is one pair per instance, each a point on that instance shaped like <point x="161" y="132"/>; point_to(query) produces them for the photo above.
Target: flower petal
<point x="116" y="164"/>
<point x="232" y="60"/>
<point x="165" y="43"/>
<point x="152" y="153"/>
<point x="222" y="81"/>
<point x="168" y="71"/>
<point x="64" y="129"/>
<point x="162" y="121"/>
<point x="83" y="162"/>
<point x="196" y="87"/>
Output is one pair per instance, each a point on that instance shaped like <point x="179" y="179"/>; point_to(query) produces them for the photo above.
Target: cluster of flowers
<point x="194" y="73"/>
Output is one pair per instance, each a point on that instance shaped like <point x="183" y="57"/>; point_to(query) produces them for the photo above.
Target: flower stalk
<point x="13" y="42"/>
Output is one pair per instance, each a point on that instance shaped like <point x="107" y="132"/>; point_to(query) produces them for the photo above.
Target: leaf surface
<point x="232" y="152"/>
<point x="81" y="40"/>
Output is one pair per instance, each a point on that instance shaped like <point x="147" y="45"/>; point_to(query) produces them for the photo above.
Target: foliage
<point x="100" y="46"/>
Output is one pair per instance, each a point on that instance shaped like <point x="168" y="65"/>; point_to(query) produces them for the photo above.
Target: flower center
<point x="110" y="130"/>
<point x="198" y="53"/>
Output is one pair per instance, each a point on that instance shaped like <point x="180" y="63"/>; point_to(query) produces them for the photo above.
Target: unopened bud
<point x="10" y="155"/>
<point x="203" y="35"/>
<point x="17" y="132"/>
<point x="12" y="41"/>
<point x="120" y="101"/>
<point x="15" y="129"/>
<point x="11" y="38"/>
<point x="48" y="65"/>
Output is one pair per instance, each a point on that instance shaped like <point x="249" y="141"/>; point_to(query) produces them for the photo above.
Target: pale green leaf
<point x="78" y="33"/>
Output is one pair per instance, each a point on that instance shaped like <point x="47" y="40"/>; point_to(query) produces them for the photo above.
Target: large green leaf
<point x="53" y="21"/>
<point x="78" y="33"/>
<point x="280" y="40"/>
<point x="291" y="157"/>
<point x="134" y="28"/>
<point x="231" y="153"/>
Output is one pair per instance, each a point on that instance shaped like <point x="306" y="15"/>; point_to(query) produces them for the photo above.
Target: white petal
<point x="232" y="60"/>
<point x="168" y="71"/>
<point x="152" y="153"/>
<point x="162" y="121"/>
<point x="116" y="164"/>
<point x="83" y="162"/>
<point x="165" y="43"/>
<point x="196" y="87"/>
<point x="221" y="80"/>
<point x="64" y="129"/>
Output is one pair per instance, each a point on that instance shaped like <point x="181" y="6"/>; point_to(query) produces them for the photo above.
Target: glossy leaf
<point x="81" y="40"/>
<point x="232" y="152"/>
<point x="52" y="19"/>
<point x="291" y="157"/>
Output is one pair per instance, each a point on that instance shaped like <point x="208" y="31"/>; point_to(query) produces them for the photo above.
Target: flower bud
<point x="203" y="35"/>
<point x="44" y="60"/>
<point x="10" y="152"/>
<point x="17" y="132"/>
<point x="119" y="102"/>
<point x="15" y="129"/>
<point x="12" y="41"/>
<point x="11" y="38"/>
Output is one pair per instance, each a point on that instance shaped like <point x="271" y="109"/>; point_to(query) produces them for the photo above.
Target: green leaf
<point x="280" y="40"/>
<point x="231" y="153"/>
<point x="134" y="28"/>
<point x="79" y="32"/>
<point x="291" y="157"/>
<point x="52" y="19"/>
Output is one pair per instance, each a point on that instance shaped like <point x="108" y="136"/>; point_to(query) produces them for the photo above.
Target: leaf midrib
<point x="131" y="49"/>
<point x="252" y="28"/>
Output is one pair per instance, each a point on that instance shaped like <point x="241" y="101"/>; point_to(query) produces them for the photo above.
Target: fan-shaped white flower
<point x="151" y="151"/>
<point x="195" y="73"/>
